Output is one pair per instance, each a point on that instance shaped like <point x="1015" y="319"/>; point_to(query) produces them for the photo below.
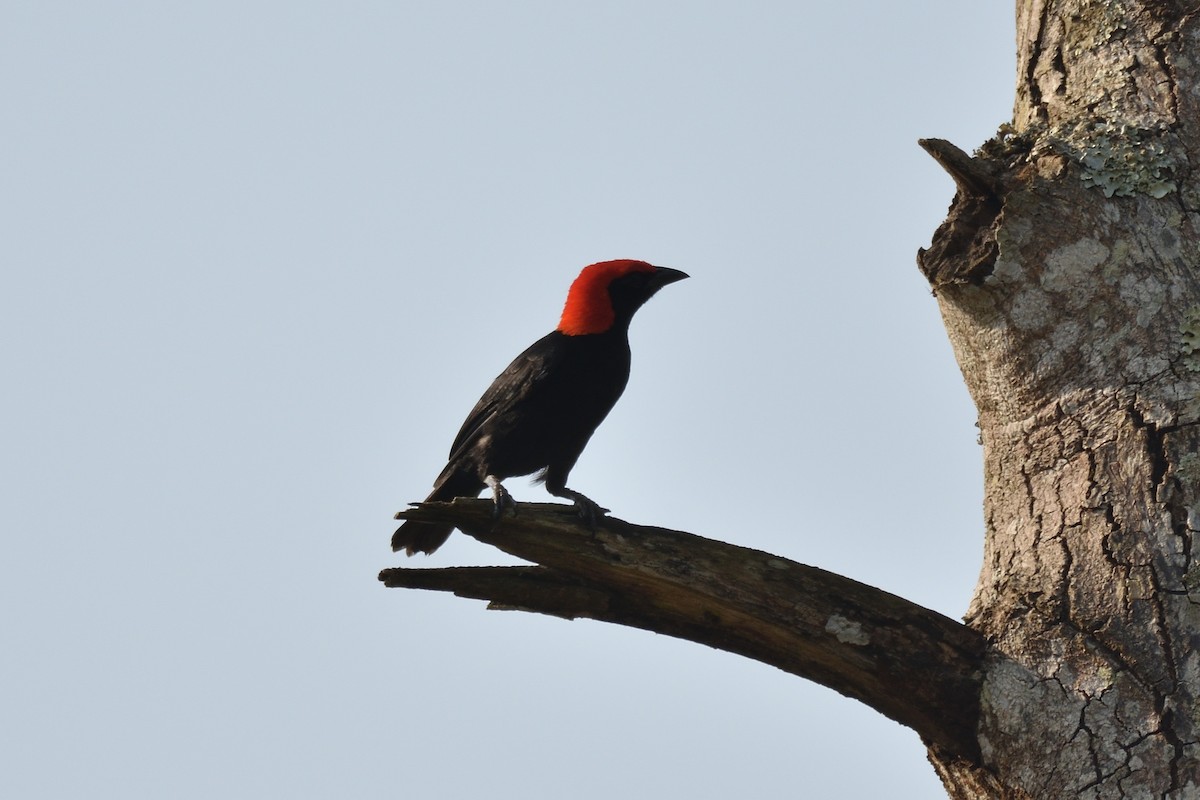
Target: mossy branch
<point x="910" y="663"/>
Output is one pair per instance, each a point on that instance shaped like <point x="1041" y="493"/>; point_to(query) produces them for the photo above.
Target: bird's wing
<point x="515" y="384"/>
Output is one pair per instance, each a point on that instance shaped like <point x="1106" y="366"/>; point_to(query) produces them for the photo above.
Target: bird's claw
<point x="589" y="510"/>
<point x="502" y="501"/>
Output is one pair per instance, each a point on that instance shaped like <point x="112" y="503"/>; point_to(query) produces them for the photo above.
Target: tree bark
<point x="1070" y="292"/>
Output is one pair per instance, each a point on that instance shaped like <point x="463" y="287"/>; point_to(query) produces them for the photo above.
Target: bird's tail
<point x="425" y="537"/>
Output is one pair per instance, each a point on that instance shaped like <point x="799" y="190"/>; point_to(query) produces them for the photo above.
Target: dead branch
<point x="909" y="663"/>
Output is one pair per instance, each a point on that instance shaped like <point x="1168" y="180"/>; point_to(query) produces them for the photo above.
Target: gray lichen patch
<point x="1143" y="366"/>
<point x="1121" y="159"/>
<point x="1189" y="472"/>
<point x="1066" y="336"/>
<point x="1031" y="310"/>
<point x="1126" y="164"/>
<point x="1070" y="270"/>
<point x="1190" y="333"/>
<point x="1108" y="18"/>
<point x="847" y="631"/>
<point x="1010" y="237"/>
<point x="1012" y="696"/>
<point x="1087" y="713"/>
<point x="1145" y="294"/>
<point x="1006" y="270"/>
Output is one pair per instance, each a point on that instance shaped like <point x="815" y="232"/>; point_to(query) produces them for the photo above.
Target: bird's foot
<point x="501" y="499"/>
<point x="589" y="510"/>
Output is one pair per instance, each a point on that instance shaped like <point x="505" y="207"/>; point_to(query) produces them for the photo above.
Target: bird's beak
<point x="664" y="275"/>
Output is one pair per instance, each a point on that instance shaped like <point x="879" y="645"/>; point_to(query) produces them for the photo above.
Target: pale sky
<point x="261" y="259"/>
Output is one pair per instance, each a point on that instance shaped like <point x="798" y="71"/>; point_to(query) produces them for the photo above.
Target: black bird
<point x="540" y="412"/>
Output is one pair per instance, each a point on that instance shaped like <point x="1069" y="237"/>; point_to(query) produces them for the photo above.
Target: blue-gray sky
<point x="261" y="258"/>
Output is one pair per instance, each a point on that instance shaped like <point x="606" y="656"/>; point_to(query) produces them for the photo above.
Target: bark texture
<point x="1070" y="288"/>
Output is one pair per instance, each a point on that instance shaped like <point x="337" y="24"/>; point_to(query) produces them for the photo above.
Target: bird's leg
<point x="589" y="510"/>
<point x="500" y="496"/>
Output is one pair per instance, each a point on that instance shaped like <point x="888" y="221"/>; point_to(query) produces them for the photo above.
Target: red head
<point x="592" y="306"/>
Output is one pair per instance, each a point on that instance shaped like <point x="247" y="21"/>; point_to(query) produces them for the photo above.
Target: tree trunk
<point x="1067" y="277"/>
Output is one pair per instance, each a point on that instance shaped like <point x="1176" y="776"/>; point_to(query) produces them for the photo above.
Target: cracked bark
<point x="1073" y="340"/>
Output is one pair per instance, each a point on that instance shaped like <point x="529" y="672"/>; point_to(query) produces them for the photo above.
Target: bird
<point x="540" y="412"/>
